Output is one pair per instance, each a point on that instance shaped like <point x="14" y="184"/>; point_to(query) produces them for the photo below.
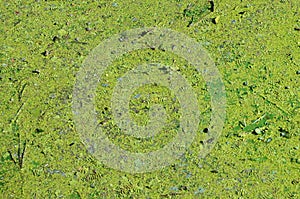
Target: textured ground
<point x="254" y="44"/>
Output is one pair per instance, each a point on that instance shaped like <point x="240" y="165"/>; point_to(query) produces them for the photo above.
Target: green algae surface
<point x="255" y="46"/>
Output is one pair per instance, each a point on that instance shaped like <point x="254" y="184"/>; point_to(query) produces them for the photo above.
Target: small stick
<point x="20" y="152"/>
<point x="259" y="118"/>
<point x="273" y="104"/>
<point x="11" y="157"/>
<point x="21" y="155"/>
<point x="18" y="112"/>
<point x="21" y="91"/>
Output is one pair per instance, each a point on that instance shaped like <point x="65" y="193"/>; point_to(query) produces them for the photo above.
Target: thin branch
<point x="21" y="155"/>
<point x="21" y="91"/>
<point x="274" y="104"/>
<point x="11" y="157"/>
<point x="18" y="112"/>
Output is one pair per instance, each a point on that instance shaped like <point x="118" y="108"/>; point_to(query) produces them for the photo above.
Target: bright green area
<point x="255" y="45"/>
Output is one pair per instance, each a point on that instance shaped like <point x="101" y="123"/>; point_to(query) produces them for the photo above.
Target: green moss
<point x="255" y="45"/>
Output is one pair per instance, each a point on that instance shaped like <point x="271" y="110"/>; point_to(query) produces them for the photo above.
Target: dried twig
<point x="21" y="147"/>
<point x="274" y="104"/>
<point x="20" y="153"/>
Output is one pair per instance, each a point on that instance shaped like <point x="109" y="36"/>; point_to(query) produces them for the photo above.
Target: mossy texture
<point x="255" y="45"/>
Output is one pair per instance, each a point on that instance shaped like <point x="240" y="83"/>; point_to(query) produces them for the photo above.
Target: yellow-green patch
<point x="254" y="44"/>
